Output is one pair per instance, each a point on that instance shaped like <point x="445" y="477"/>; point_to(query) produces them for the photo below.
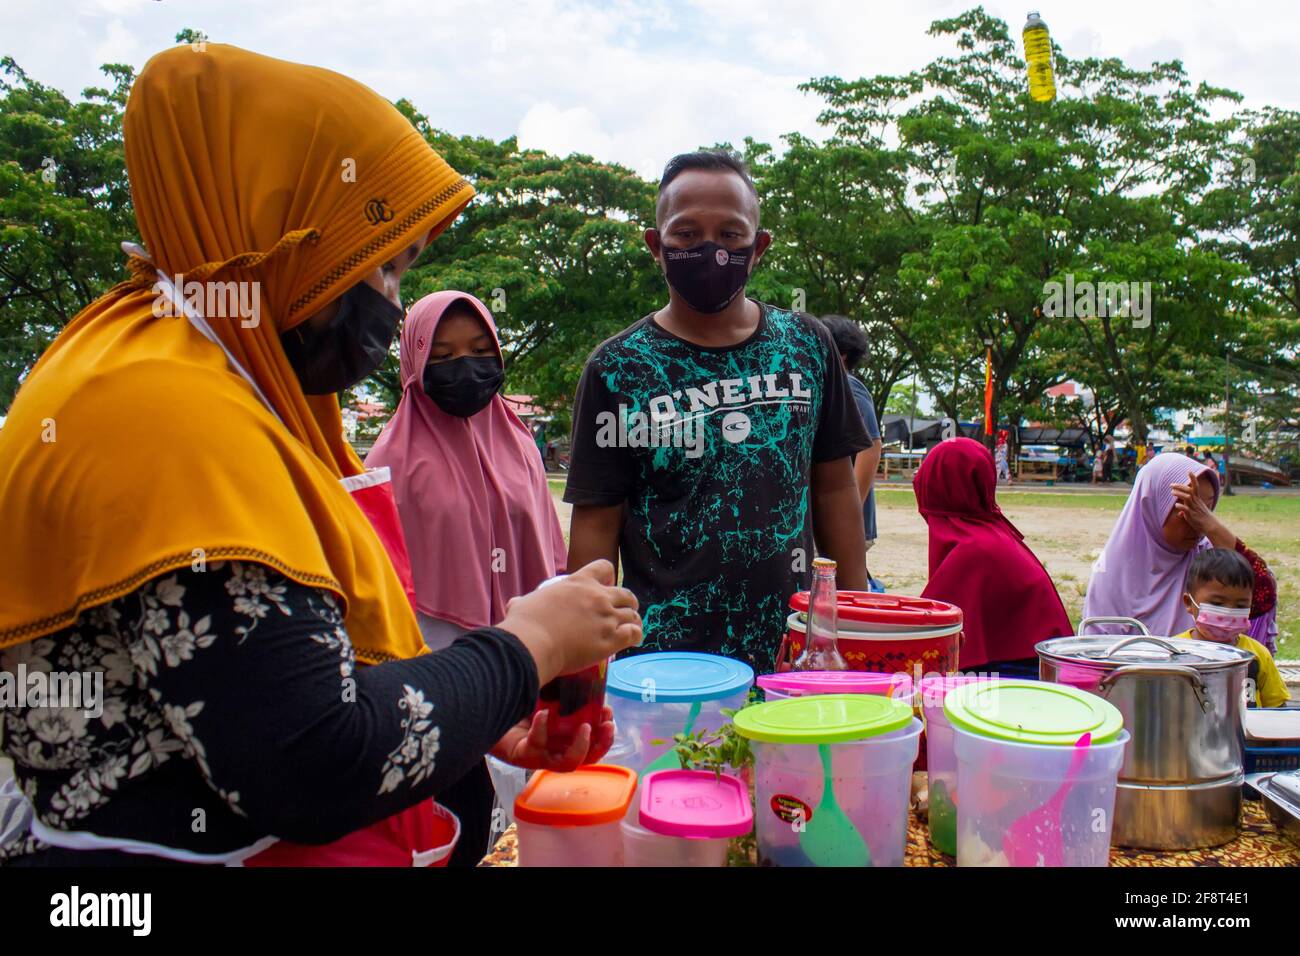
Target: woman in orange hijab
<point x="175" y="494"/>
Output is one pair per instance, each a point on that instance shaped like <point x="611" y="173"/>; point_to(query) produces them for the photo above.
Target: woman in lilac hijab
<point x="1168" y="517"/>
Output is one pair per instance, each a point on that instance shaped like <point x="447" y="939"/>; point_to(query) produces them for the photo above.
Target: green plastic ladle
<point x="668" y="760"/>
<point x="829" y="837"/>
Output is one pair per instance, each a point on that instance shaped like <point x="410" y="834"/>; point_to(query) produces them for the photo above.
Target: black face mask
<point x="463" y="386"/>
<point x="708" y="276"/>
<point x="346" y="349"/>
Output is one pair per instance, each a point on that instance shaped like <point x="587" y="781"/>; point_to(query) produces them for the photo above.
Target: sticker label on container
<point x="790" y="808"/>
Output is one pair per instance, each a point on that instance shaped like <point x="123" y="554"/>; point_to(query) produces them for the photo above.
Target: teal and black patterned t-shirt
<point x="712" y="450"/>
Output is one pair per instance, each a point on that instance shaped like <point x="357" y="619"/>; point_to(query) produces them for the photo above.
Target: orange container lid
<point x="591" y="795"/>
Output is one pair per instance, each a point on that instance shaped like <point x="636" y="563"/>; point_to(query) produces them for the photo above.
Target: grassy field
<point x="1067" y="531"/>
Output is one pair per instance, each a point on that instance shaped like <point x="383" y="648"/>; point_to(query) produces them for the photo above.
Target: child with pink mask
<point x="1217" y="594"/>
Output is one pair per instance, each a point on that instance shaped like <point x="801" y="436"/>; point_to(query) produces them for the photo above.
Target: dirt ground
<point x="1067" y="529"/>
<point x="1066" y="544"/>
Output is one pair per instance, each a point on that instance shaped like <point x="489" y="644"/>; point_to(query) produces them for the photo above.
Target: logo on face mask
<point x="377" y="211"/>
<point x="708" y="276"/>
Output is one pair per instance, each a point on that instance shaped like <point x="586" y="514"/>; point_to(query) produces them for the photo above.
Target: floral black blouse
<point x="233" y="710"/>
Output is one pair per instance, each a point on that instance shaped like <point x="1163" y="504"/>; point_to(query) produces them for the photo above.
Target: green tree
<point x="905" y="399"/>
<point x="1013" y="194"/>
<point x="554" y="246"/>
<point x="65" y="206"/>
<point x="838" y="237"/>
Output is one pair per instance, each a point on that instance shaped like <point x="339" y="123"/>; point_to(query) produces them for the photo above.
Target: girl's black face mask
<point x="708" y="276"/>
<point x="346" y="349"/>
<point x="463" y="386"/>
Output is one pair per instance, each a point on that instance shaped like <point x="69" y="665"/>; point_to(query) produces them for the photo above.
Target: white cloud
<point x="634" y="81"/>
<point x="575" y="130"/>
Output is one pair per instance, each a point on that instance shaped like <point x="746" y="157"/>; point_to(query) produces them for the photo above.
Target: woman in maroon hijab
<point x="980" y="562"/>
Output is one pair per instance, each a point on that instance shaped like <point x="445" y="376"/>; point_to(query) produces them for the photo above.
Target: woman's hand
<point x="1195" y="510"/>
<point x="578" y="621"/>
<point x="524" y="744"/>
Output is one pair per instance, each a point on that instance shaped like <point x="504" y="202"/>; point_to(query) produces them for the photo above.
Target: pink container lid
<point x="935" y="688"/>
<point x="695" y="804"/>
<point x="805" y="683"/>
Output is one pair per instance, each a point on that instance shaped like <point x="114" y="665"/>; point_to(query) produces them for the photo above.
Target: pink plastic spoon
<point x="1035" y="839"/>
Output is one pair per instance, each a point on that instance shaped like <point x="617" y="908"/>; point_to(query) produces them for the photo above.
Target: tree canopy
<point x="1139" y="235"/>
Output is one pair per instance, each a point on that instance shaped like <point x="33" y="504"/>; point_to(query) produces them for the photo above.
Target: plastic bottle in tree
<point x="1038" y="54"/>
<point x="821" y="651"/>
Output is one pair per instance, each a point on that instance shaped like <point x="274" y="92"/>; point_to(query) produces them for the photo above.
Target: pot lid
<point x="893" y="610"/>
<point x="1106" y="649"/>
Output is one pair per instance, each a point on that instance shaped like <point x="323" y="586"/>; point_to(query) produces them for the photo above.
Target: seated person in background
<point x="980" y="562"/>
<point x="1217" y="593"/>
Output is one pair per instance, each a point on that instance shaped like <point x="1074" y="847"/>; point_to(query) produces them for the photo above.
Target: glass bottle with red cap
<point x="821" y="651"/>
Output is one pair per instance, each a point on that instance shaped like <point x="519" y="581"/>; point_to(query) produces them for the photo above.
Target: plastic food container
<point x="685" y="818"/>
<point x="806" y="683"/>
<point x="1029" y="795"/>
<point x="941" y="759"/>
<point x="865" y="744"/>
<point x="885" y="633"/>
<point x="573" y="819"/>
<point x="655" y="696"/>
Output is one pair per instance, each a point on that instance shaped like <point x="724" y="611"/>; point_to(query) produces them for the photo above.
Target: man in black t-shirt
<point x="712" y="439"/>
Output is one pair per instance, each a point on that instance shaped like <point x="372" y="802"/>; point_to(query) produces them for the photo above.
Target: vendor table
<point x="903" y="463"/>
<point x="1038" y="469"/>
<point x="1258" y="845"/>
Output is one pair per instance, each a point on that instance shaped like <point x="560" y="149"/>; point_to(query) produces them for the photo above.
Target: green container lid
<point x="1032" y="712"/>
<point x="823" y="719"/>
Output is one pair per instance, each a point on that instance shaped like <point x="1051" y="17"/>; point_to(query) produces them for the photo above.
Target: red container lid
<point x="887" y="611"/>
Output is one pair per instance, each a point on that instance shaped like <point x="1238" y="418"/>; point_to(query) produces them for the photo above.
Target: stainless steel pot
<point x="1180" y="785"/>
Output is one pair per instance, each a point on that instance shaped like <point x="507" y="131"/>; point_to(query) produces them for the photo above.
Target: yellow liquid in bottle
<point x="1038" y="54"/>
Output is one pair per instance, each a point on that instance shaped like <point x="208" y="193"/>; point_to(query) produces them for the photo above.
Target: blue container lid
<point x="670" y="677"/>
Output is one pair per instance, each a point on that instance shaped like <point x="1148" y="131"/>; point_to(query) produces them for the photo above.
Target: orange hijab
<point x="134" y="448"/>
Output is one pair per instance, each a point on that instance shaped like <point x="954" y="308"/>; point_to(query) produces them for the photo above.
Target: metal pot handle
<point x="1132" y="621"/>
<point x="1106" y="684"/>
<point x="1139" y="639"/>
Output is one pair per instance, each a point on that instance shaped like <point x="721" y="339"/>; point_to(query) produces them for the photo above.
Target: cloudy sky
<point x="636" y="81"/>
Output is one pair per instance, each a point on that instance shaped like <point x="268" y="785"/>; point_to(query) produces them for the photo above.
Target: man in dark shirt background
<point x="712" y="439"/>
<point x="853" y="345"/>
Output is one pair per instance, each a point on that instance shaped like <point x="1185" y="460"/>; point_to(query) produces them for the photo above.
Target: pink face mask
<point x="1223" y="624"/>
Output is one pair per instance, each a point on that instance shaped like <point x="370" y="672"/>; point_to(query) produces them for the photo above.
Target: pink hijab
<point x="475" y="508"/>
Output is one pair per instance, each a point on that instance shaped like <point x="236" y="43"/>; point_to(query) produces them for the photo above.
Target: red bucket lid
<point x="893" y="610"/>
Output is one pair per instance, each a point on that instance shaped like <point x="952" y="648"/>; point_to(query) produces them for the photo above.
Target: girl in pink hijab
<point x="478" y="517"/>
<point x="471" y="492"/>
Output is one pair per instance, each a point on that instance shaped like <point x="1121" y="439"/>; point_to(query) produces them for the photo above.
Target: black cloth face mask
<point x="463" y="386"/>
<point x="708" y="276"/>
<point x="346" y="349"/>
